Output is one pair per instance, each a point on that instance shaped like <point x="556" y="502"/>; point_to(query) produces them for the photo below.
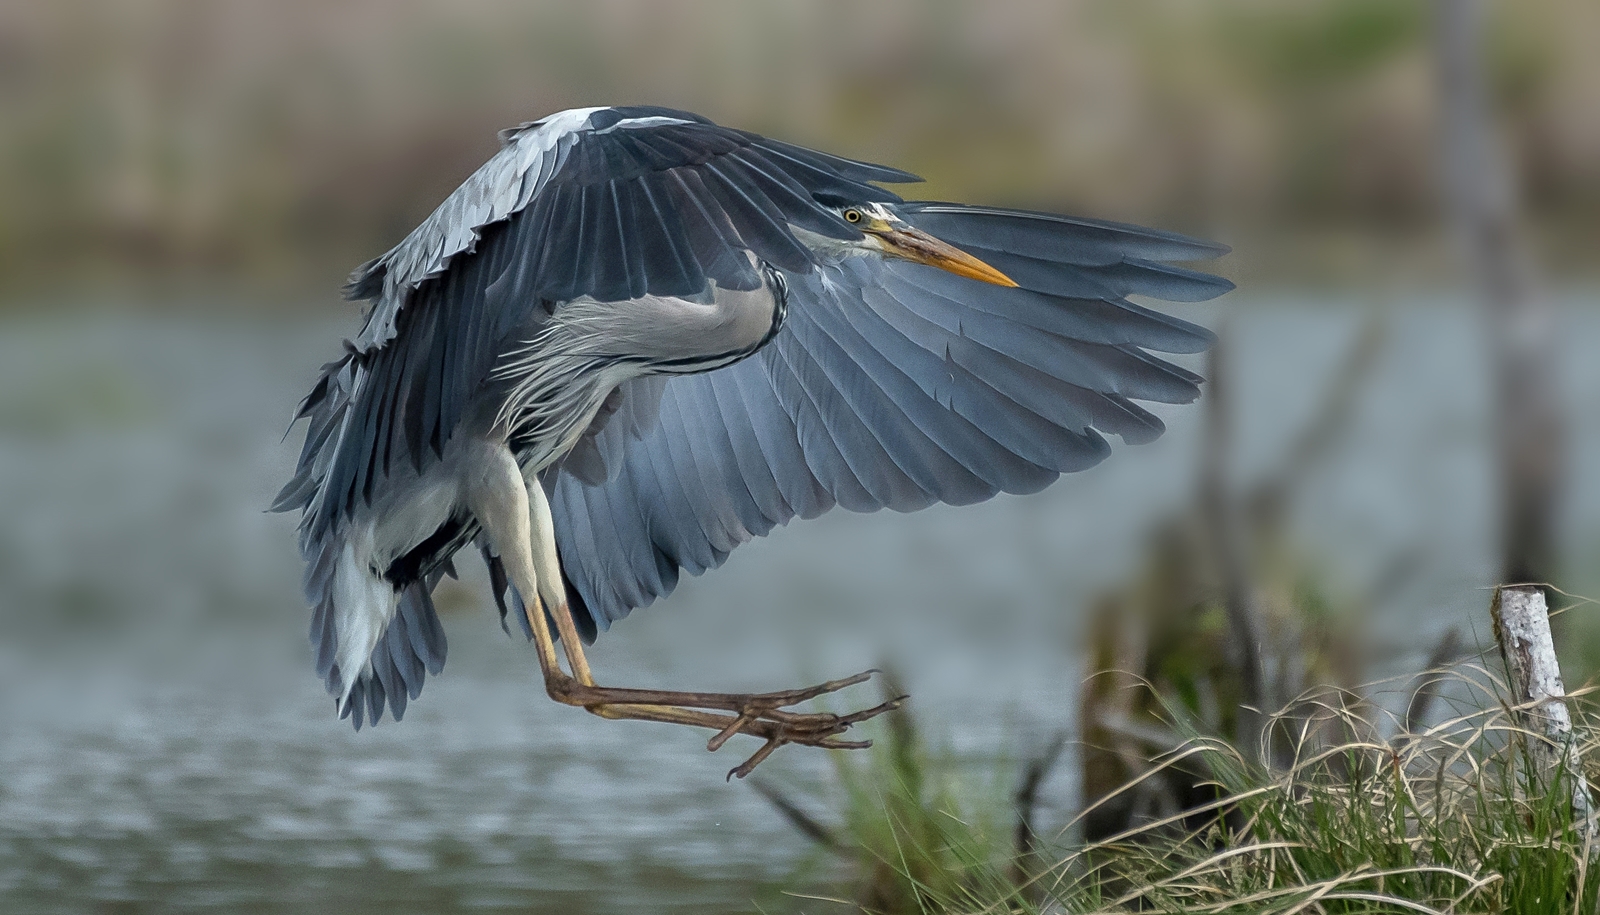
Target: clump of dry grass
<point x="1450" y="819"/>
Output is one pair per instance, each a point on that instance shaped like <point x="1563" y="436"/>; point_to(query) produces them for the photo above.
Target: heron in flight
<point x="635" y="339"/>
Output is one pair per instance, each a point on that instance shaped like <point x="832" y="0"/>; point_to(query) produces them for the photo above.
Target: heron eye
<point x="852" y="216"/>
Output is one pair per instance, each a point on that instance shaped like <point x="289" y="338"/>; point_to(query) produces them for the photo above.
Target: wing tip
<point x="1196" y="285"/>
<point x="1179" y="247"/>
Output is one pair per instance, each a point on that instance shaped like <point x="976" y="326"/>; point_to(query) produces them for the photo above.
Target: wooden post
<point x="1522" y="627"/>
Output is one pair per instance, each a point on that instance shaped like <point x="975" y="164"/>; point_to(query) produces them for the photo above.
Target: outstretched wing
<point x="891" y="384"/>
<point x="611" y="203"/>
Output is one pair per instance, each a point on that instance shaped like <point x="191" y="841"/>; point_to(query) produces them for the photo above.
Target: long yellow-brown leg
<point x="547" y="571"/>
<point x="516" y="518"/>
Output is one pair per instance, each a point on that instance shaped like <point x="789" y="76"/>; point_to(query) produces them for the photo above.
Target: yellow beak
<point x="920" y="247"/>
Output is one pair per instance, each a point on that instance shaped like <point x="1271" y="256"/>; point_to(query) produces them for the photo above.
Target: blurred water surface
<point x="165" y="747"/>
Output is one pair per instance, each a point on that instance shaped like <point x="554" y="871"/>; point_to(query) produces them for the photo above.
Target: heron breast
<point x="559" y="379"/>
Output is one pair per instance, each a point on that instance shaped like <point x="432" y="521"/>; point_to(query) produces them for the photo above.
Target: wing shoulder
<point x="625" y="201"/>
<point x="530" y="154"/>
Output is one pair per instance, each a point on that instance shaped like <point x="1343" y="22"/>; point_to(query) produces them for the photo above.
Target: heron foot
<point x="764" y="715"/>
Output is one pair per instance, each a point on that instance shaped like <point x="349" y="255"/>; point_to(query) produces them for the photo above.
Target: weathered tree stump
<point x="1522" y="627"/>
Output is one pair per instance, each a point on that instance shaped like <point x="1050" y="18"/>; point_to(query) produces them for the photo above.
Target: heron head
<point x="886" y="233"/>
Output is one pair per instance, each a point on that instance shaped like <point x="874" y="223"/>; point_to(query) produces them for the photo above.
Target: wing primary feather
<point x="690" y="534"/>
<point x="450" y="360"/>
<point x="567" y="234"/>
<point x="631" y="551"/>
<point x="859" y="450"/>
<point x="713" y="241"/>
<point x="588" y="557"/>
<point x="778" y="437"/>
<point x="601" y="251"/>
<point x="403" y="638"/>
<point x="758" y="221"/>
<point x="383" y="670"/>
<point x="669" y="262"/>
<point x="1051" y="236"/>
<point x="365" y="456"/>
<point x="879" y="393"/>
<point x="632" y="227"/>
<point x="1095" y="366"/>
<point x="745" y="448"/>
<point x="793" y="202"/>
<point x="707" y="443"/>
<point x="1112" y="321"/>
<point x="921" y="385"/>
<point x="394" y="410"/>
<point x="825" y="182"/>
<point x="374" y="700"/>
<point x="418" y="416"/>
<point x="433" y="394"/>
<point x="709" y="500"/>
<point x="633" y="529"/>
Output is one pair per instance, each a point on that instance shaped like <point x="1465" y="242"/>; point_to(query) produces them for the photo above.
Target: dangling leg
<point x="547" y="568"/>
<point x="506" y="508"/>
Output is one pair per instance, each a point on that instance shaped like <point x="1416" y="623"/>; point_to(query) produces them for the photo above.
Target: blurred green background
<point x="184" y="185"/>
<point x="278" y="143"/>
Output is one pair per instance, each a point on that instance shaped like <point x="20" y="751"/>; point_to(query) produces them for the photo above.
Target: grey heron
<point x="635" y="339"/>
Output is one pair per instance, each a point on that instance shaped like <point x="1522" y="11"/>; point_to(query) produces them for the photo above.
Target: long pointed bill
<point x="916" y="245"/>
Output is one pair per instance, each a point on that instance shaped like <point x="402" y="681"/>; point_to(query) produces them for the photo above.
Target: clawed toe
<point x="875" y="711"/>
<point x="763" y="715"/>
<point x="776" y="741"/>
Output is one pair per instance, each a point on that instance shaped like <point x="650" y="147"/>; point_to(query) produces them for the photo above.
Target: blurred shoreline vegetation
<point x="154" y="144"/>
<point x="1369" y="811"/>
